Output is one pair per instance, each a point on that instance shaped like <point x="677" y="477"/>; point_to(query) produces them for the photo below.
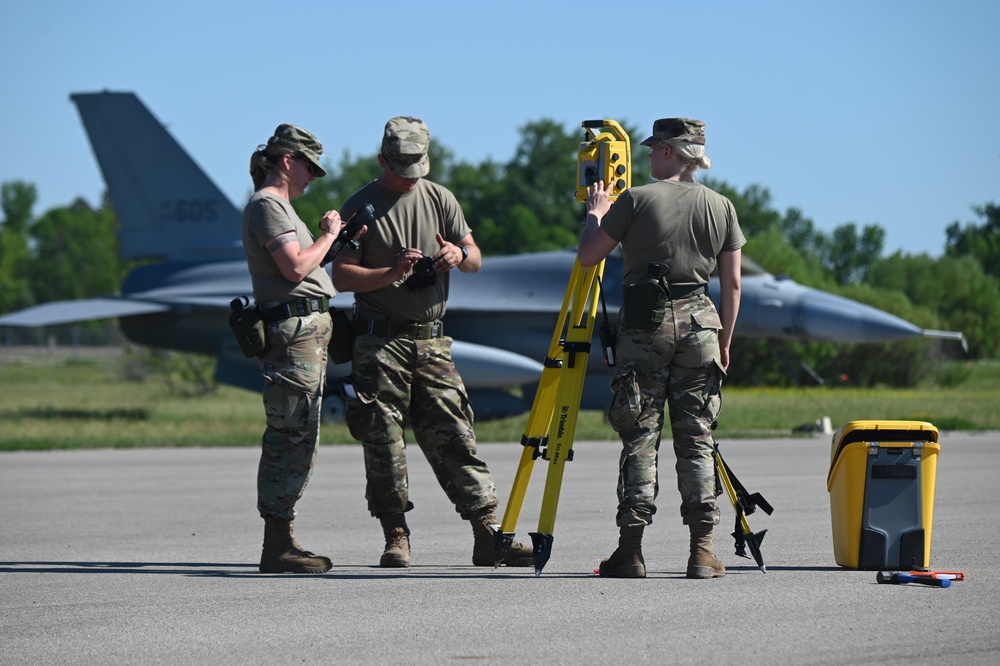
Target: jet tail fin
<point x="183" y="217"/>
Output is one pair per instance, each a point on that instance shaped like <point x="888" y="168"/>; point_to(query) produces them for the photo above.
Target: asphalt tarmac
<point x="150" y="557"/>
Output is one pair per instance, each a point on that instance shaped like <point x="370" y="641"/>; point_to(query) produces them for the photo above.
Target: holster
<point x="645" y="304"/>
<point x="248" y="328"/>
<point x="341" y="348"/>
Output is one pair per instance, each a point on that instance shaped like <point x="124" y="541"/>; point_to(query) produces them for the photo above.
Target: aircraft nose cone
<point x="820" y="315"/>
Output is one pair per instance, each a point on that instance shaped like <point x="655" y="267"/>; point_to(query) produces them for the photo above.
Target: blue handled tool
<point x="897" y="578"/>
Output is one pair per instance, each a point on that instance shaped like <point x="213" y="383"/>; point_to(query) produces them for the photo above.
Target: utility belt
<point x="300" y="307"/>
<point x="388" y="328"/>
<point x="645" y="303"/>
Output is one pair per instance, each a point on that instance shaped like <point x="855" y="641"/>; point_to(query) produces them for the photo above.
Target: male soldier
<point x="673" y="346"/>
<point x="403" y="373"/>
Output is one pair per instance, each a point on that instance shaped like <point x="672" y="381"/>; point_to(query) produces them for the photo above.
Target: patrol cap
<point x="405" y="145"/>
<point x="300" y="141"/>
<point x="677" y="128"/>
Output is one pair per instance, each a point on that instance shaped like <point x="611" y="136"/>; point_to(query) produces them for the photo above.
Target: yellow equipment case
<point x="881" y="485"/>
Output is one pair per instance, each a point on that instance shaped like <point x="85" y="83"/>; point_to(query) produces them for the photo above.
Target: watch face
<point x="465" y="253"/>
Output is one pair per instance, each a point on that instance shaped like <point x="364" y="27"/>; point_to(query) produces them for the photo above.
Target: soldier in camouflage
<point x="673" y="345"/>
<point x="403" y="373"/>
<point x="292" y="293"/>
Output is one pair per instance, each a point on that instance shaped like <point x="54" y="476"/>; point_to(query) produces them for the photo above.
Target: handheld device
<point x="364" y="215"/>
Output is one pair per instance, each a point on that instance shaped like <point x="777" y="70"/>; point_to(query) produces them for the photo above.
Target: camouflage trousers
<point x="413" y="383"/>
<point x="676" y="365"/>
<point x="294" y="371"/>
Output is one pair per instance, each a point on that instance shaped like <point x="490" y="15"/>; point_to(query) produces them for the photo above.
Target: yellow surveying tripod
<point x="605" y="155"/>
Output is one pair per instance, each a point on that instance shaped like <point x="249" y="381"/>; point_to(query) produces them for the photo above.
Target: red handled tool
<point x="898" y="578"/>
<point x="948" y="575"/>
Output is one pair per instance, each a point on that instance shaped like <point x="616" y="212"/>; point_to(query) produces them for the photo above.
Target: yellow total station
<point x="605" y="155"/>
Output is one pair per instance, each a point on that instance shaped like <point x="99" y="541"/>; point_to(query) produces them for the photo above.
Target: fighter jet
<point x="501" y="318"/>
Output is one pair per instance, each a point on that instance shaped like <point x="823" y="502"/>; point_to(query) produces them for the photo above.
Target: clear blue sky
<point x="870" y="112"/>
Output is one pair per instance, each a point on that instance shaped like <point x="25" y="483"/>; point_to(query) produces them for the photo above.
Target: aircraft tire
<point x="334" y="409"/>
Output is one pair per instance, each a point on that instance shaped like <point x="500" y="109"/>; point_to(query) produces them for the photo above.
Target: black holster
<point x="645" y="304"/>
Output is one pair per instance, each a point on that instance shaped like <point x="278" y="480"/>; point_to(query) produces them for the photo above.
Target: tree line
<point x="528" y="204"/>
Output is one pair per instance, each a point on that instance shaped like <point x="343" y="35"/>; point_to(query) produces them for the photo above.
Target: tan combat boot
<point x="626" y="561"/>
<point x="703" y="563"/>
<point x="397" y="542"/>
<point x="484" y="548"/>
<point x="282" y="554"/>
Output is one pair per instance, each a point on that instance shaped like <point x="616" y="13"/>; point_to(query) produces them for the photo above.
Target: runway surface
<point x="150" y="556"/>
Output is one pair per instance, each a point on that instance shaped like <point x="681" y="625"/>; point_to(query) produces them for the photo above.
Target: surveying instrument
<point x="605" y="155"/>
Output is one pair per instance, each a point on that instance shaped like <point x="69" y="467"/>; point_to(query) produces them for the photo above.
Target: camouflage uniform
<point x="294" y="368"/>
<point x="681" y="227"/>
<point x="400" y="382"/>
<point x="294" y="371"/>
<point x="677" y="363"/>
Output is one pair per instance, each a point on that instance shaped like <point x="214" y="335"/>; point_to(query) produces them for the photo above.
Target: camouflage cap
<point x="405" y="146"/>
<point x="300" y="141"/>
<point x="677" y="128"/>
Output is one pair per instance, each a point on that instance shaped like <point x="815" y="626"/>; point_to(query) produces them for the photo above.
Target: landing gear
<point x="334" y="409"/>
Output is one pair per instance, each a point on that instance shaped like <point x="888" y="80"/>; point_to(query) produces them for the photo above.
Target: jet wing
<point x="68" y="312"/>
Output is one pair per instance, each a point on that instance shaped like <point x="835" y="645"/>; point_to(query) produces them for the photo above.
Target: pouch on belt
<point x="645" y="304"/>
<point x="341" y="348"/>
<point x="248" y="327"/>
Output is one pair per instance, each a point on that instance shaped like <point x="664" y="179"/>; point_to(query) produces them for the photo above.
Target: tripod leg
<point x="535" y="435"/>
<point x="562" y="429"/>
<point x="743" y="534"/>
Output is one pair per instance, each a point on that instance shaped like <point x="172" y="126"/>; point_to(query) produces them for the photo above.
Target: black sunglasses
<point x="314" y="170"/>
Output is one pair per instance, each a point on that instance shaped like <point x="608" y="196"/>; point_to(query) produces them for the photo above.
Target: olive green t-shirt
<point x="682" y="224"/>
<point x="264" y="217"/>
<point x="404" y="220"/>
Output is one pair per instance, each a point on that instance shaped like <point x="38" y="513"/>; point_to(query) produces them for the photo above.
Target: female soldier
<point x="673" y="345"/>
<point x="292" y="293"/>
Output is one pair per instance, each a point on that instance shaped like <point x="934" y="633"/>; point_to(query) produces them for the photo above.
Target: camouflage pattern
<point x="404" y="146"/>
<point x="413" y="383"/>
<point x="677" y="364"/>
<point x="688" y="129"/>
<point x="301" y="141"/>
<point x="294" y="372"/>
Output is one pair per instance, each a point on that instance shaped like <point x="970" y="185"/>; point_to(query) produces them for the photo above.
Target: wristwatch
<point x="465" y="252"/>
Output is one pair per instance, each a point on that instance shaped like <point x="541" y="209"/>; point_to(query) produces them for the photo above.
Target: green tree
<point x="76" y="253"/>
<point x="16" y="200"/>
<point x="849" y="256"/>
<point x="958" y="288"/>
<point x="979" y="241"/>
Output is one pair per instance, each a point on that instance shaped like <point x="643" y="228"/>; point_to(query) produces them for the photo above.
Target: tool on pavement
<point x="899" y="578"/>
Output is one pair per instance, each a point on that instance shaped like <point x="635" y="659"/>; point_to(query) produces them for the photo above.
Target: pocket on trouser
<point x="371" y="416"/>
<point x="626" y="403"/>
<point x="297" y="357"/>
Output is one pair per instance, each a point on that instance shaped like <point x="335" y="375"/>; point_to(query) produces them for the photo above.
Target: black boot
<point x="626" y="561"/>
